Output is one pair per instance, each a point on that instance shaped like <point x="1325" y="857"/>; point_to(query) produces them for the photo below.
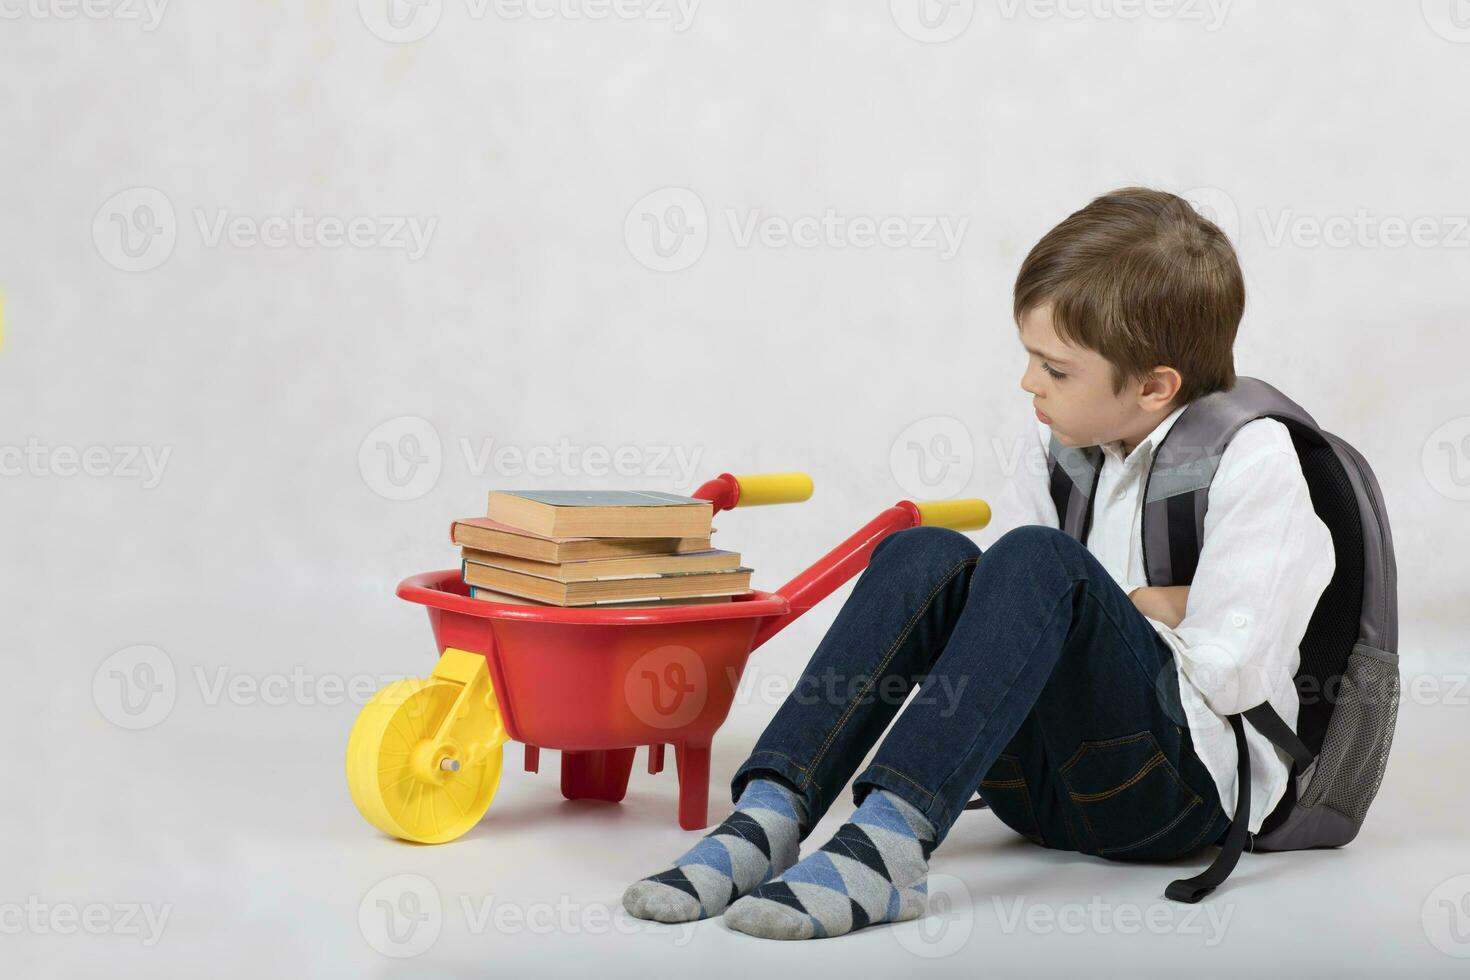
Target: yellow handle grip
<point x="773" y="488"/>
<point x="967" y="514"/>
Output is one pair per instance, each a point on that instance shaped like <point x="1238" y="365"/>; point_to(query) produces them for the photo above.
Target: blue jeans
<point x="1040" y="686"/>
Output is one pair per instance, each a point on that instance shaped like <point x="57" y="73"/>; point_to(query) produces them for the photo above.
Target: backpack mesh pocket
<point x="1355" y="752"/>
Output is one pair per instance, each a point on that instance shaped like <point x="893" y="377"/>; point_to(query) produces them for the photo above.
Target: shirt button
<point x="1238" y="620"/>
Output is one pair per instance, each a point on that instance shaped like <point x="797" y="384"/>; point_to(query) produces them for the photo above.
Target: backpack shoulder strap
<point x="1177" y="493"/>
<point x="1073" y="474"/>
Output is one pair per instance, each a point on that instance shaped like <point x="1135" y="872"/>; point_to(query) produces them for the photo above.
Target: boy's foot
<point x="874" y="869"/>
<point x="754" y="844"/>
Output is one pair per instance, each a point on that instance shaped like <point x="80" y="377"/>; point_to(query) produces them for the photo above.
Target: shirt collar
<point x="1145" y="448"/>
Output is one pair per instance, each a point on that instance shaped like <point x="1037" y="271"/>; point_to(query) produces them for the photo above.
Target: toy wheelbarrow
<point x="425" y="754"/>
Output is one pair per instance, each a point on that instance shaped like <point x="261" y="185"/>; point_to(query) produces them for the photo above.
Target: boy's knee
<point x="1029" y="541"/>
<point x="928" y="546"/>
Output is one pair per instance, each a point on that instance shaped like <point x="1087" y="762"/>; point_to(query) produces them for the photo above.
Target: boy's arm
<point x="1265" y="560"/>
<point x="1165" y="603"/>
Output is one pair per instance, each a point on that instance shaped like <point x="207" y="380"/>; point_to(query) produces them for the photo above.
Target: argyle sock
<point x="874" y="869"/>
<point x="753" y="844"/>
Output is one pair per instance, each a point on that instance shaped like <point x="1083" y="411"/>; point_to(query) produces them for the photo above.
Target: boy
<point x="1088" y="708"/>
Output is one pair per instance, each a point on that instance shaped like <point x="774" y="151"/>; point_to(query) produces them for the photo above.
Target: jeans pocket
<point x="1132" y="800"/>
<point x="1005" y="791"/>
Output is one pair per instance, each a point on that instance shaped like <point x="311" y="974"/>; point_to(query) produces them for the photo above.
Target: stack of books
<point x="575" y="548"/>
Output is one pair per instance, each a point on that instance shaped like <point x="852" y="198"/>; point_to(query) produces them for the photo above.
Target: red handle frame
<point x="827" y="573"/>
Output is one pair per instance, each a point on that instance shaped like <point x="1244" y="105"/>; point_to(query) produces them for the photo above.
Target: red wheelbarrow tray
<point x="595" y="683"/>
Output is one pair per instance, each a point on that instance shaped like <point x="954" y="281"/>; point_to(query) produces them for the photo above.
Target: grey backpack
<point x="1348" y="681"/>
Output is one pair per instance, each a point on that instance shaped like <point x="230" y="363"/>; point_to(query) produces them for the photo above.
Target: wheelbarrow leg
<point x="596" y="775"/>
<point x="693" y="765"/>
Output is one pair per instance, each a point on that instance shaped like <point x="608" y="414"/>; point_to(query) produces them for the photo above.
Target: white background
<point x="269" y="375"/>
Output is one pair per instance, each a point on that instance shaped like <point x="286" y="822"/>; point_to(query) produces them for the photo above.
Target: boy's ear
<point x="1159" y="387"/>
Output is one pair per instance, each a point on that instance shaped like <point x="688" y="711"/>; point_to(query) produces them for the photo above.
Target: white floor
<point x="232" y="819"/>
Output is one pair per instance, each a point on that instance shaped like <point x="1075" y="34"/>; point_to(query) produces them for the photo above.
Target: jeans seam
<point x="1031" y="812"/>
<point x="1048" y="763"/>
<point x="780" y="755"/>
<point x="1190" y="848"/>
<point x="929" y="797"/>
<point x="1025" y="789"/>
<point x="1149" y="765"/>
<point x="1156" y="834"/>
<point x="1072" y="828"/>
<point x="1101" y="742"/>
<point x="887" y="659"/>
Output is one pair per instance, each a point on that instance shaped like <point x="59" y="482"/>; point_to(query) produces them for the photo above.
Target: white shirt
<point x="1265" y="559"/>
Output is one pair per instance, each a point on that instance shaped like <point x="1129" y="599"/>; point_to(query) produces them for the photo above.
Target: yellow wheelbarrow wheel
<point x="425" y="754"/>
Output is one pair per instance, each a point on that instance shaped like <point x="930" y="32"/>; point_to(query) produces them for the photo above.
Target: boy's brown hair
<point x="1143" y="279"/>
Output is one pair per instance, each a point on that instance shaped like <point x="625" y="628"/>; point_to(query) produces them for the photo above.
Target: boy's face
<point x="1072" y="389"/>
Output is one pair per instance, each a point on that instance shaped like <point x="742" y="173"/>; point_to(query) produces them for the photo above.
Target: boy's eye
<point x="1052" y="371"/>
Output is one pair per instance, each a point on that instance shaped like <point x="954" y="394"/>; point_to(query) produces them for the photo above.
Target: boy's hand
<point x="1164" y="603"/>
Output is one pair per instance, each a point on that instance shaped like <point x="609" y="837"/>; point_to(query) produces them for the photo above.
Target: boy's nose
<point x="1028" y="383"/>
